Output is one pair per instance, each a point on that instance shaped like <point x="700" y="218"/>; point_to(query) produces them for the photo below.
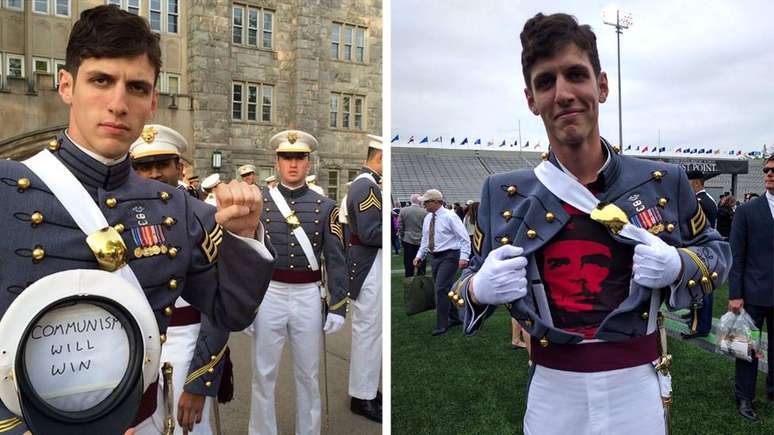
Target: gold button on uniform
<point x="450" y="294"/>
<point x="511" y="190"/>
<point x="36" y="218"/>
<point x="544" y="342"/>
<point x="316" y="221"/>
<point x="168" y="311"/>
<point x="531" y="234"/>
<point x="662" y="202"/>
<point x="53" y="144"/>
<point x="111" y="202"/>
<point x="705" y="280"/>
<point x="544" y="156"/>
<point x="213" y="357"/>
<point x="38" y="254"/>
<point x="164" y="196"/>
<point x="657" y="175"/>
<point x="172" y="252"/>
<point x="670" y="227"/>
<point x="504" y="240"/>
<point x="23" y="183"/>
<point x="163" y="338"/>
<point x="507" y="215"/>
<point x="644" y="316"/>
<point x="616" y="149"/>
<point x="211" y="370"/>
<point x="208" y="384"/>
<point x="119" y="228"/>
<point x="460" y="302"/>
<point x="550" y="217"/>
<point x="691" y="283"/>
<point x="714" y="276"/>
<point x="169" y="221"/>
<point x="172" y="284"/>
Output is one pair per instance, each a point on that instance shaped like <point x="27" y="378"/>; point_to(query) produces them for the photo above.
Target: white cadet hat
<point x="270" y="179"/>
<point x="211" y="181"/>
<point x="431" y="195"/>
<point x="83" y="346"/>
<point x="293" y="141"/>
<point x="311" y="179"/>
<point x="246" y="169"/>
<point x="375" y="141"/>
<point x="157" y="143"/>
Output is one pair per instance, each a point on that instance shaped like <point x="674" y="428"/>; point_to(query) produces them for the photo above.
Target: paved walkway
<point x="236" y="414"/>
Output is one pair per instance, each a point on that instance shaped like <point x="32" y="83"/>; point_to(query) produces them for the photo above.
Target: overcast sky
<point x="702" y="72"/>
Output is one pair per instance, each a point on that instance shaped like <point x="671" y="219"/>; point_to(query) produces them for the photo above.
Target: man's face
<point x="768" y="178"/>
<point x="292" y="168"/>
<point x="564" y="91"/>
<point x="167" y="171"/>
<point x="376" y="163"/>
<point x="249" y="178"/>
<point x="110" y="100"/>
<point x="432" y="206"/>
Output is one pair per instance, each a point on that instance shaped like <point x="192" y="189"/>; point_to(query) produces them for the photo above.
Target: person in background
<point x="470" y="218"/>
<point x="750" y="285"/>
<point x="410" y="232"/>
<point x="394" y="224"/>
<point x="726" y="215"/>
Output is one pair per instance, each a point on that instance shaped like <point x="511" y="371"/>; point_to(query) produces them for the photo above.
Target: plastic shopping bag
<point x="738" y="336"/>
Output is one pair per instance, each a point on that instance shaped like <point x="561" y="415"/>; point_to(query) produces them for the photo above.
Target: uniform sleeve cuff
<point x="257" y="243"/>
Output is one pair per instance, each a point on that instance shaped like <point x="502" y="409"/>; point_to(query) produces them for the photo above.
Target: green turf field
<point x="453" y="384"/>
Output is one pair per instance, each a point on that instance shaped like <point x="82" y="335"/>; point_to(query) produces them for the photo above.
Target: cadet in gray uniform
<point x="209" y="258"/>
<point x="303" y="226"/>
<point x="364" y="261"/>
<point x="584" y="249"/>
<point x="195" y="348"/>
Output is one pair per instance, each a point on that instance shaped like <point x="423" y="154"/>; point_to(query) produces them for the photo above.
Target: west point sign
<point x="710" y="167"/>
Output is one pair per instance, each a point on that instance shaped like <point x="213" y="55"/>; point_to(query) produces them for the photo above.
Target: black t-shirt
<point x="586" y="273"/>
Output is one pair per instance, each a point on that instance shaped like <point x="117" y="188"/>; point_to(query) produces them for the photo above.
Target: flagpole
<point x="520" y="144"/>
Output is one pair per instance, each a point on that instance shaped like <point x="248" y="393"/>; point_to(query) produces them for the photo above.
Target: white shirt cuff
<point x="258" y="243"/>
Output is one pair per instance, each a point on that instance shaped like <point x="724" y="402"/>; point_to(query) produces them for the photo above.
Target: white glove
<point x="502" y="277"/>
<point x="333" y="322"/>
<point x="656" y="264"/>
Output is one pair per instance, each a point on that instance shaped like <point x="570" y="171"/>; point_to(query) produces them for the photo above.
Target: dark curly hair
<point x="545" y="35"/>
<point x="109" y="32"/>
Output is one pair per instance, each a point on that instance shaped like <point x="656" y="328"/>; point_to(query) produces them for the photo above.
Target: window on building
<point x="252" y="27"/>
<point x="14" y="66"/>
<point x="345" y="101"/>
<point x="335" y="36"/>
<point x="334" y="111"/>
<point x="154" y="15"/>
<point x="333" y="184"/>
<point x="268" y="28"/>
<point x="236" y="101"/>
<point x="132" y="6"/>
<point x="237" y="24"/>
<point x="252" y="102"/>
<point x="173" y="15"/>
<point x="268" y="92"/>
<point x="345" y="37"/>
<point x="348" y="43"/>
<point x="173" y="84"/>
<point x="15" y="4"/>
<point x="59" y="64"/>
<point x="247" y="29"/>
<point x="264" y="172"/>
<point x="41" y="65"/>
<point x="40" y="6"/>
<point x="346" y="111"/>
<point x="359" y="45"/>
<point x="62" y="8"/>
<point x="248" y="98"/>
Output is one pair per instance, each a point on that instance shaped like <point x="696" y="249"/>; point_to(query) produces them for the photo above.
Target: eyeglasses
<point x="767" y="169"/>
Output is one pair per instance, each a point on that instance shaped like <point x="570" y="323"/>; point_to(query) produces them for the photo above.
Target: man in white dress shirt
<point x="443" y="237"/>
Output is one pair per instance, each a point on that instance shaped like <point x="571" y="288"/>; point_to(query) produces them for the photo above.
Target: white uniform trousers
<point x="178" y="350"/>
<point x="366" y="354"/>
<point x="624" y="401"/>
<point x="287" y="311"/>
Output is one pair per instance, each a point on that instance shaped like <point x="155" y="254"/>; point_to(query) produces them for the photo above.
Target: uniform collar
<point x="88" y="170"/>
<point x="606" y="175"/>
<point x="293" y="193"/>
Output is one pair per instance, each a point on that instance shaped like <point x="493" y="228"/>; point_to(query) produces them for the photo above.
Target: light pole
<point x="622" y="21"/>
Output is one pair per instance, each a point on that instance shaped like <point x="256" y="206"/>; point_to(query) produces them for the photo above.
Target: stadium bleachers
<point x="459" y="174"/>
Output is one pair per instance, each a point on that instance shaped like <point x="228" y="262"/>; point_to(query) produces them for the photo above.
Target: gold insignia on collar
<point x="292" y="137"/>
<point x="149" y="134"/>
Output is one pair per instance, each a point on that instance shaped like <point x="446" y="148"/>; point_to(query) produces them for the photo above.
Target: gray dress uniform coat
<point x="364" y="211"/>
<point x="517" y="209"/>
<point x="319" y="218"/>
<point x="215" y="272"/>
